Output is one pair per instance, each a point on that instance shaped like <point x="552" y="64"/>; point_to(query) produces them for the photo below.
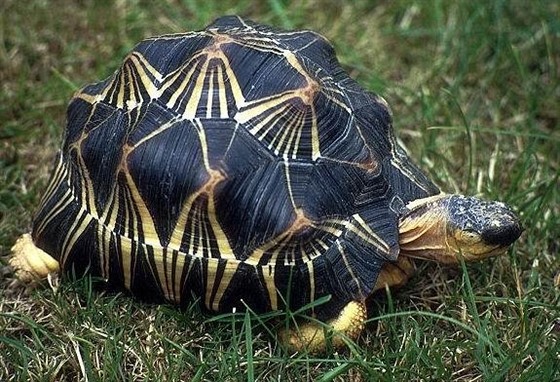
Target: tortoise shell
<point x="239" y="164"/>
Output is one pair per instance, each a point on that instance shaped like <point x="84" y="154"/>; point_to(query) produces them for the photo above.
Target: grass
<point x="475" y="89"/>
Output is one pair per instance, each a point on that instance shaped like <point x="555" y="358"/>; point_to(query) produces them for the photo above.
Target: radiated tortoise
<point x="242" y="165"/>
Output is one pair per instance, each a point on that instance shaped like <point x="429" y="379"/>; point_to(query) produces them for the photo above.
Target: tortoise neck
<point x="423" y="230"/>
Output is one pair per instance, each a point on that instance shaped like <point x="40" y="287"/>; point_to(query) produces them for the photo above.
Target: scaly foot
<point x="30" y="262"/>
<point x="310" y="336"/>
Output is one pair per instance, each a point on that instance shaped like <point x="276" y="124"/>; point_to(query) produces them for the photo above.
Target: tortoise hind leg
<point x="30" y="262"/>
<point x="310" y="336"/>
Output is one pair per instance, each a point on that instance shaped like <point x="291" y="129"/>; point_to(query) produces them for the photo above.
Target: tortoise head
<point x="444" y="227"/>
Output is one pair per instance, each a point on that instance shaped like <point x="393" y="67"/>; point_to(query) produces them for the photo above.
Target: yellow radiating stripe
<point x="322" y="244"/>
<point x="201" y="132"/>
<point x="281" y="242"/>
<point x="164" y="258"/>
<point x="204" y="234"/>
<point x="266" y="122"/>
<point x="283" y="239"/>
<point x="292" y="59"/>
<point x="74" y="233"/>
<point x="293" y="126"/>
<point x="332" y="230"/>
<point x="181" y="225"/>
<point x="222" y="93"/>
<point x="264" y="105"/>
<point x="109" y="222"/>
<point x="289" y="255"/>
<point x="181" y="89"/>
<point x="194" y="99"/>
<point x="224" y="247"/>
<point x="337" y="101"/>
<point x="171" y="77"/>
<point x="88" y="197"/>
<point x="91" y="99"/>
<point x="65" y="200"/>
<point x="177" y="36"/>
<point x="159" y="272"/>
<point x="112" y="206"/>
<point x="296" y="134"/>
<point x="134" y="86"/>
<point x="104" y="242"/>
<point x="289" y="183"/>
<point x="314" y="250"/>
<point x="311" y="271"/>
<point x="296" y="128"/>
<point x="140" y="62"/>
<point x="349" y="268"/>
<point x="195" y="245"/>
<point x="276" y="123"/>
<point x="226" y="252"/>
<point x="109" y="92"/>
<point x="229" y="271"/>
<point x="132" y="225"/>
<point x="238" y="97"/>
<point x="125" y="254"/>
<point x="262" y="44"/>
<point x="371" y="237"/>
<point x="210" y="95"/>
<point x="59" y="175"/>
<point x="126" y="211"/>
<point x="122" y="85"/>
<point x="178" y="265"/>
<point x="211" y="273"/>
<point x="255" y="256"/>
<point x="281" y="135"/>
<point x="191" y="263"/>
<point x="316" y="153"/>
<point x="268" y="277"/>
<point x="148" y="227"/>
<point x="166" y="126"/>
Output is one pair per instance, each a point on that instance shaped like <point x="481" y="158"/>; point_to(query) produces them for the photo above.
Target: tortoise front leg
<point x="395" y="274"/>
<point x="30" y="262"/>
<point x="310" y="336"/>
<point x="350" y="322"/>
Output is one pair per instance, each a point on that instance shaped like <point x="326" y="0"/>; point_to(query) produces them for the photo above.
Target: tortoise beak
<point x="502" y="235"/>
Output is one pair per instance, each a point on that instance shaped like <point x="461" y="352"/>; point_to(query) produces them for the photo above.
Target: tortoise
<point x="241" y="164"/>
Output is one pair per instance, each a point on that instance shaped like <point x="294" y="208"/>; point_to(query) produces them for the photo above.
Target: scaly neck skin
<point x="423" y="232"/>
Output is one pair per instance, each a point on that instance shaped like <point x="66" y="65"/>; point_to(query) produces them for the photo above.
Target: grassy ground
<point x="475" y="89"/>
